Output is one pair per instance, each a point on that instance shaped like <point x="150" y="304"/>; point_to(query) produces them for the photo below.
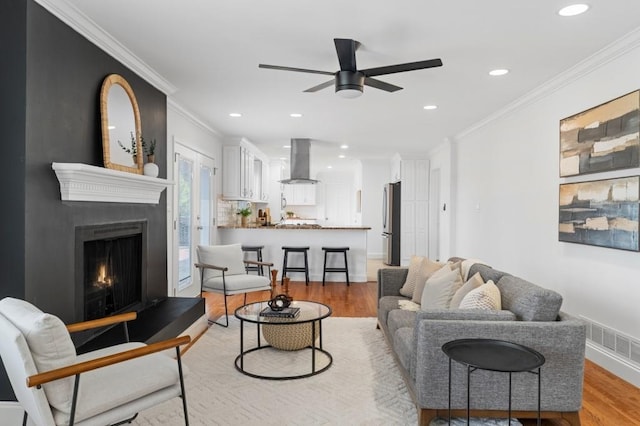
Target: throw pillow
<point x="439" y="290"/>
<point x="487" y="296"/>
<point x="474" y="282"/>
<point x="409" y="285"/>
<point x="417" y="294"/>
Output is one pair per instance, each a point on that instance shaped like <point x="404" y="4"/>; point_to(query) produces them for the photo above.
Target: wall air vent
<point x="613" y="341"/>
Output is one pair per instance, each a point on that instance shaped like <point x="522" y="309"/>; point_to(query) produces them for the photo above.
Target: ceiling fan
<point x="349" y="80"/>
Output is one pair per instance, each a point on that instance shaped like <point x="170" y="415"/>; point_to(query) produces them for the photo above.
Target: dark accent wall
<point x="51" y="78"/>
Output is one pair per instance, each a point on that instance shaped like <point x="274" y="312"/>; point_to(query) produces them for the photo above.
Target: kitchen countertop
<point x="298" y="227"/>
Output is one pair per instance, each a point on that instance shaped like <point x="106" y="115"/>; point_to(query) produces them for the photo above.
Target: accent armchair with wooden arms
<point x="222" y="270"/>
<point x="108" y="386"/>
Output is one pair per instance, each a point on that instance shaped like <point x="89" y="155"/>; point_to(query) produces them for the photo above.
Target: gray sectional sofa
<point x="530" y="316"/>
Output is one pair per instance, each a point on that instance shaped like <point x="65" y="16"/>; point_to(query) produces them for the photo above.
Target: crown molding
<point x="602" y="57"/>
<point x="86" y="27"/>
<point x="175" y="106"/>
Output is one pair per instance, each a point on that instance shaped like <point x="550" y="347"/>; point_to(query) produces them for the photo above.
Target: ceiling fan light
<point x="349" y="93"/>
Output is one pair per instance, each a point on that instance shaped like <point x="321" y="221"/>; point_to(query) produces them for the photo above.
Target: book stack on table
<point x="289" y="312"/>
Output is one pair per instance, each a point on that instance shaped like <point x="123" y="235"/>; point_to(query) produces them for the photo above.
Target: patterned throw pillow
<point x="487" y="297"/>
<point x="409" y="285"/>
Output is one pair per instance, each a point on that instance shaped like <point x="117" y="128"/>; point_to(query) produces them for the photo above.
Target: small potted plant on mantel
<point x="244" y="213"/>
<point x="133" y="150"/>
<point x="149" y="148"/>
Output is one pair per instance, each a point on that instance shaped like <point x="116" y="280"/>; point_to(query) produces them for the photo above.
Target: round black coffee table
<point x="311" y="314"/>
<point x="493" y="355"/>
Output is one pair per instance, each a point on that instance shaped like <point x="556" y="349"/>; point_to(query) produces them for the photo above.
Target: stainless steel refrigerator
<point x="391" y="224"/>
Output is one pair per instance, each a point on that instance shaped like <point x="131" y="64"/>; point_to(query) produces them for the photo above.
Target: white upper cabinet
<point x="243" y="172"/>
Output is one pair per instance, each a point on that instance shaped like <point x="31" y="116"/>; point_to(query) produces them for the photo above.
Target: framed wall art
<point x="601" y="213"/>
<point x="603" y="138"/>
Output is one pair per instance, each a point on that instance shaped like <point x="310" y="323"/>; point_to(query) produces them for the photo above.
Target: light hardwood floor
<point x="607" y="401"/>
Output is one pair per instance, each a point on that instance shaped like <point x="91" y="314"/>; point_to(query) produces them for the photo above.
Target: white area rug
<point x="362" y="387"/>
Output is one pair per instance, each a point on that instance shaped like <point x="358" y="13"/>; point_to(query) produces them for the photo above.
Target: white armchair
<point x="105" y="387"/>
<point x="222" y="270"/>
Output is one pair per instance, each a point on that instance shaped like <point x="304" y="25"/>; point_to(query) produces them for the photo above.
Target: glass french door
<point x="194" y="215"/>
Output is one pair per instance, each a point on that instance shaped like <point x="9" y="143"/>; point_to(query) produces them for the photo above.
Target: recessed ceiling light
<point x="344" y="146"/>
<point x="283" y="158"/>
<point x="497" y="72"/>
<point x="235" y="114"/>
<point x="112" y="127"/>
<point x="295" y="115"/>
<point x="286" y="146"/>
<point x="430" y="107"/>
<point x="573" y="9"/>
<point x="341" y="156"/>
<point x="329" y="167"/>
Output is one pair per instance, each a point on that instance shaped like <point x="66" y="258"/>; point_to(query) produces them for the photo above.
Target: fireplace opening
<point x="111" y="264"/>
<point x="112" y="275"/>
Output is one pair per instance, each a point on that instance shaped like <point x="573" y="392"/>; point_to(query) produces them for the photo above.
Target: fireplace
<point x="110" y="269"/>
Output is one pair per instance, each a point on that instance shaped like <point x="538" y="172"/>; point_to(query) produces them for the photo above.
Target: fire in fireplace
<point x="110" y="269"/>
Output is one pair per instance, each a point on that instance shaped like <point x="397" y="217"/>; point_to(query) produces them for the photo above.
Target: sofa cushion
<point x="387" y="304"/>
<point x="528" y="301"/>
<point x="399" y="318"/>
<point x="465" y="314"/>
<point x="439" y="290"/>
<point x="487" y="296"/>
<point x="49" y="342"/>
<point x="472" y="283"/>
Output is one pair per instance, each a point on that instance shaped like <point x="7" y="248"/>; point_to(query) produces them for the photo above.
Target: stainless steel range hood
<point x="300" y="163"/>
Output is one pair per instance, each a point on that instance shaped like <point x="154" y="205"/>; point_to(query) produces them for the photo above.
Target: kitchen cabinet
<point x="243" y="173"/>
<point x="300" y="194"/>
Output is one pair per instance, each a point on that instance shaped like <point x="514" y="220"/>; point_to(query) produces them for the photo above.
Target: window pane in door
<point x="206" y="175"/>
<point x="185" y="227"/>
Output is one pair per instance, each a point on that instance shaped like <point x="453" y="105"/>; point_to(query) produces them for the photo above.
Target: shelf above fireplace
<point x="83" y="182"/>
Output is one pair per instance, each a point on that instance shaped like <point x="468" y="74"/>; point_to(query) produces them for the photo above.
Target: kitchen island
<point x="316" y="237"/>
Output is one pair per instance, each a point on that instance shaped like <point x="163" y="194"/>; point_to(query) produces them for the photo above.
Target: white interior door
<point x="194" y="215"/>
<point x="337" y="205"/>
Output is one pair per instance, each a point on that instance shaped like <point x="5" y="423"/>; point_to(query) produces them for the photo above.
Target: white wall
<point x="506" y="174"/>
<point x="375" y="174"/>
<point x="440" y="159"/>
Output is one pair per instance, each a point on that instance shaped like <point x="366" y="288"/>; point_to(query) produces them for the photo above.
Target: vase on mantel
<point x="243" y="221"/>
<point x="151" y="168"/>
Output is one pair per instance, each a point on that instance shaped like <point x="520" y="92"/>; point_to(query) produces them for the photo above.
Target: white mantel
<point x="82" y="182"/>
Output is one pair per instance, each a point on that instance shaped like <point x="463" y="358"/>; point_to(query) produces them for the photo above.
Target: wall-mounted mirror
<point x="121" y="144"/>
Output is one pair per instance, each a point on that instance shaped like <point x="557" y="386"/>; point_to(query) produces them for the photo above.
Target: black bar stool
<point x="258" y="252"/>
<point x="285" y="265"/>
<point x="344" y="269"/>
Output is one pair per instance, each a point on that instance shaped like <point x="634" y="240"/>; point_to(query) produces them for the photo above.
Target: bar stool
<point x="336" y="250"/>
<point x="258" y="251"/>
<point x="285" y="265"/>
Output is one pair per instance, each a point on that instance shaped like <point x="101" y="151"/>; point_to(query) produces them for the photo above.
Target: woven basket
<point x="291" y="337"/>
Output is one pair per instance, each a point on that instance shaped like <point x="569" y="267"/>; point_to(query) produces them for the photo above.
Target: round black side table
<point x="493" y="355"/>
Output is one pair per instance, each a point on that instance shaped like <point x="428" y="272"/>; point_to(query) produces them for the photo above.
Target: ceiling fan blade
<point x="277" y="67"/>
<point x="346" y="49"/>
<point x="411" y="66"/>
<point x="321" y="86"/>
<point x="381" y="85"/>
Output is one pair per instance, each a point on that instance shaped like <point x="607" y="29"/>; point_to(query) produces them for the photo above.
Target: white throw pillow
<point x="487" y="297"/>
<point x="230" y="256"/>
<point x="417" y="294"/>
<point x="50" y="345"/>
<point x="409" y="285"/>
<point x="439" y="290"/>
<point x="474" y="282"/>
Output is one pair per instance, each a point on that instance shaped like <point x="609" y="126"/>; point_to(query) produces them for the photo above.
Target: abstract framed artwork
<point x="603" y="138"/>
<point x="602" y="213"/>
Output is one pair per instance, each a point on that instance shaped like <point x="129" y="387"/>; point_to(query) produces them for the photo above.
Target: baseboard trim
<point x="616" y="365"/>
